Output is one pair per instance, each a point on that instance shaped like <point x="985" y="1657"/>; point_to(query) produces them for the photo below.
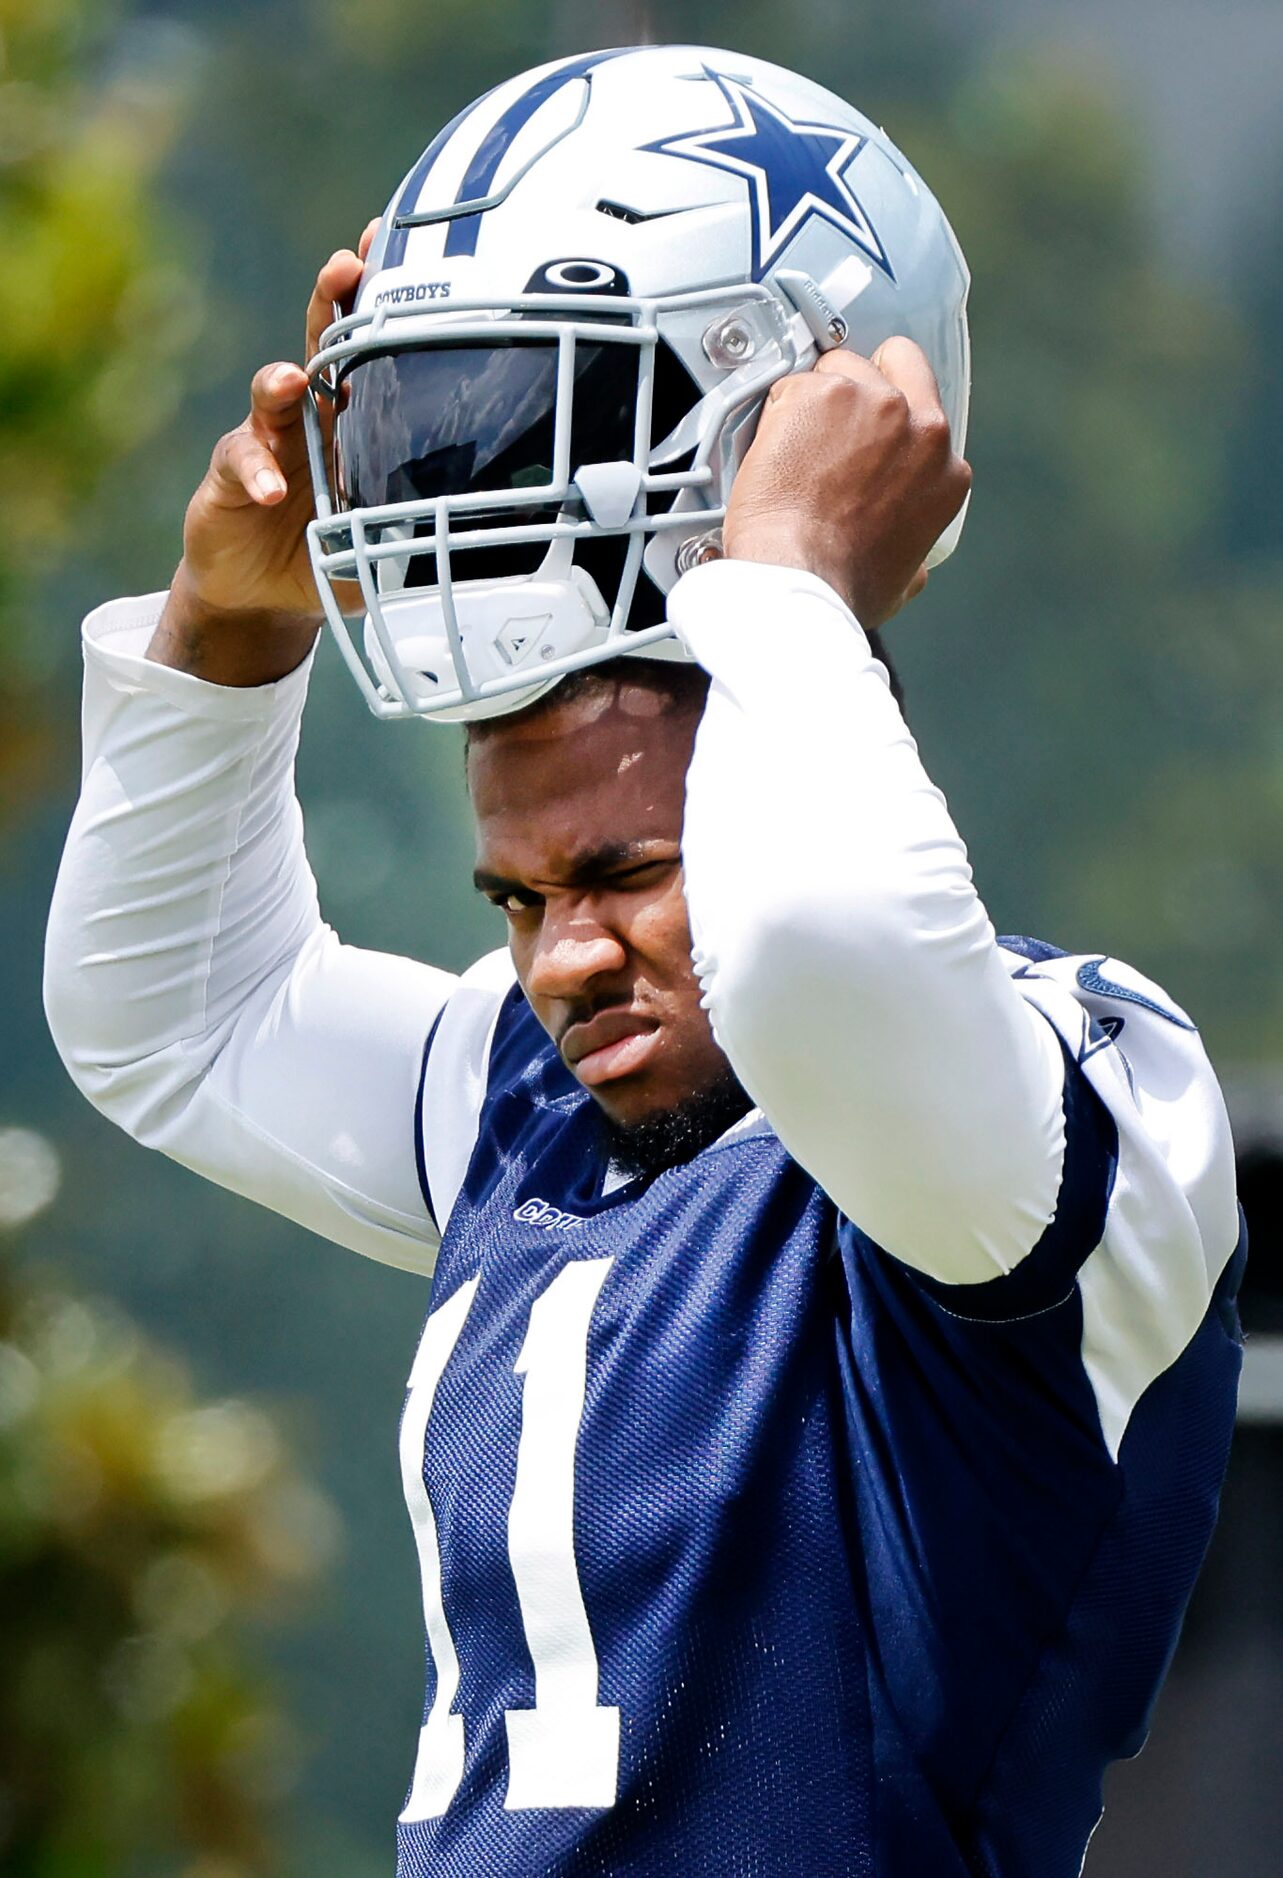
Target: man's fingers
<point x="243" y="465"/>
<point x="915" y="586"/>
<point x="276" y="397"/>
<point x="336" y="282"/>
<point x="276" y="413"/>
<point x="898" y="365"/>
<point x="835" y="364"/>
<point x="918" y="582"/>
<point x="364" y="244"/>
<point x="911" y="592"/>
<point x="906" y="367"/>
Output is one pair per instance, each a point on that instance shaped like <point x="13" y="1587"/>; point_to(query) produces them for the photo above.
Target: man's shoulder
<point x="1090" y="978"/>
<point x="461" y="1040"/>
<point x="1172" y="1226"/>
<point x="1143" y="1055"/>
<point x="493" y="974"/>
<point x="456" y="1075"/>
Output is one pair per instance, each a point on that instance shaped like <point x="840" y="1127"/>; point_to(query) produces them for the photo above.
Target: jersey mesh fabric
<point x="851" y="1557"/>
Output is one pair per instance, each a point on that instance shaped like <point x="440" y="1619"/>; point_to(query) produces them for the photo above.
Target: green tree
<point x="98" y="310"/>
<point x="1110" y="656"/>
<point x="138" y="1527"/>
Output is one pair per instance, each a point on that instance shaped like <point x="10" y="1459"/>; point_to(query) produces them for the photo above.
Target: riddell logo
<point x="551" y="1218"/>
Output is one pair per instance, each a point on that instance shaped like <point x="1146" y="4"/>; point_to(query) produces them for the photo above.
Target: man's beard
<point x="677" y="1134"/>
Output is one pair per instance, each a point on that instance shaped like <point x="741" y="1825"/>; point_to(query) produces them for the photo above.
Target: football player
<point x="831" y="1352"/>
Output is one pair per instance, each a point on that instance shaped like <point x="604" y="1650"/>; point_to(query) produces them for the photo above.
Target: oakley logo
<point x="577" y="275"/>
<point x="405" y="296"/>
<point x="551" y="1218"/>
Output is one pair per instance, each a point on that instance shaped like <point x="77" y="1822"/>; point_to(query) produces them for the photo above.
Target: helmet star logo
<point x="793" y="171"/>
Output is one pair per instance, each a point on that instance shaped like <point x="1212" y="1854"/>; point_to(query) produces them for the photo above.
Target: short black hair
<point x="675" y="679"/>
<point x="681" y="682"/>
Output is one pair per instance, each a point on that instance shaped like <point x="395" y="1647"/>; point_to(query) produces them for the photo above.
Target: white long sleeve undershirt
<point x="194" y="992"/>
<point x="848" y="966"/>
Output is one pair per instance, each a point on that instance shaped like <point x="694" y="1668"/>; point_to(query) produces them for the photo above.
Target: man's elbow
<point x="142" y="1089"/>
<point x="803" y="952"/>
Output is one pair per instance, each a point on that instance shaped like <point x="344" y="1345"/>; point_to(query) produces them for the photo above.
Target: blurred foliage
<point x="1096" y="674"/>
<point x="138" y="1525"/>
<point x="97" y="308"/>
<point x="1093" y="677"/>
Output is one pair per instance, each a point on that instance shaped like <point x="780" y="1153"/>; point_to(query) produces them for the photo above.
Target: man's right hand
<point x="243" y="608"/>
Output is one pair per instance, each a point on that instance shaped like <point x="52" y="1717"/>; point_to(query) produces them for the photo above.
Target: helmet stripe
<point x="394" y="251"/>
<point x="463" y="232"/>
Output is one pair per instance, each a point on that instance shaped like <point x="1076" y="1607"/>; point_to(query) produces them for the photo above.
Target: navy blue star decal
<point x="793" y="171"/>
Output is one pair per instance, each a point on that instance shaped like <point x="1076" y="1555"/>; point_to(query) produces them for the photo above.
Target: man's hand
<point x="851" y="476"/>
<point x="243" y="609"/>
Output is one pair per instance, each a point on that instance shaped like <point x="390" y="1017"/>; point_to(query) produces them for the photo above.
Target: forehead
<point x="609" y="766"/>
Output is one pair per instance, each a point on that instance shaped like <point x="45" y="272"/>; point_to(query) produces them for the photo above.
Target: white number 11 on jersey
<point x="565" y="1750"/>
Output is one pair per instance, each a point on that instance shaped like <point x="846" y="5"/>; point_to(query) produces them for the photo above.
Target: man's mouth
<point x="612" y="1044"/>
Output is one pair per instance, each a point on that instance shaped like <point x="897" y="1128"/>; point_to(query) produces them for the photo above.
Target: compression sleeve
<point x="848" y="965"/>
<point x="193" y="991"/>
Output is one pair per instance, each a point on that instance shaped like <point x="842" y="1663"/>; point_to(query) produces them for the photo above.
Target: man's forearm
<point x="192" y="989"/>
<point x="238" y="649"/>
<point x="849" y="967"/>
<point x="184" y="880"/>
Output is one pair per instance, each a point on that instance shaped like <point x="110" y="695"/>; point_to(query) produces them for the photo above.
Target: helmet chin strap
<point x="471" y="649"/>
<point x="502" y="630"/>
<point x="508" y="631"/>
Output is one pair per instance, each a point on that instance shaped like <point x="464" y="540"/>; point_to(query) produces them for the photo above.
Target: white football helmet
<point x="566" y="327"/>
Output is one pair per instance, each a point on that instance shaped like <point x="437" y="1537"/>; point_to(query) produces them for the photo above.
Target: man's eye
<point x="642" y="873"/>
<point x="514" y="903"/>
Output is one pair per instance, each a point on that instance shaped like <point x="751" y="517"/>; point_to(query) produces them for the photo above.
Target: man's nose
<point x="574" y="948"/>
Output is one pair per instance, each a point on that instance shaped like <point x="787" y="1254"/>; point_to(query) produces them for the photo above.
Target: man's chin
<point x="643" y="1137"/>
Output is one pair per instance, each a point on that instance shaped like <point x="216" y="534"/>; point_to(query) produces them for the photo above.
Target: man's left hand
<point x="852" y="476"/>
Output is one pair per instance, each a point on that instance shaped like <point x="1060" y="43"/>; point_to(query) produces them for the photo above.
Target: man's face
<point x="579" y="819"/>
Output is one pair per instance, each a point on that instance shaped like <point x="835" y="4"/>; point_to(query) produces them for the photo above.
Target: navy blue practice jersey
<point x="749" y="1550"/>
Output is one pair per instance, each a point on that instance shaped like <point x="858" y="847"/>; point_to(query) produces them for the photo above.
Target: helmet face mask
<point x="514" y="473"/>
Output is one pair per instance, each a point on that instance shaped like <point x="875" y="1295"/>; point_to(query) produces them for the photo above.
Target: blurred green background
<point x="210" y="1657"/>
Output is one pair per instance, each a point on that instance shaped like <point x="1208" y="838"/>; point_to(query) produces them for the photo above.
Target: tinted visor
<point x="459" y="420"/>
